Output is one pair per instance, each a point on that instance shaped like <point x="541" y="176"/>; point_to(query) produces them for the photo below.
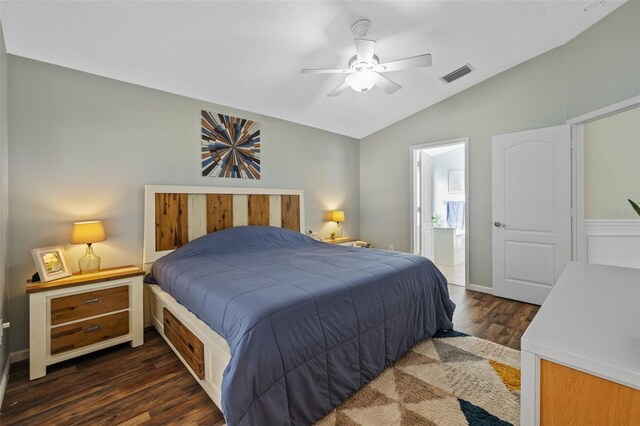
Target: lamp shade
<point x="337" y="216"/>
<point x="362" y="80"/>
<point x="87" y="232"/>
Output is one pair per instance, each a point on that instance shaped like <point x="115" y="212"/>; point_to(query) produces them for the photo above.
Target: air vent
<point x="460" y="72"/>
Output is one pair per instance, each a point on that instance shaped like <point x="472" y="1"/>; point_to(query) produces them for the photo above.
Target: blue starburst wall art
<point x="230" y="146"/>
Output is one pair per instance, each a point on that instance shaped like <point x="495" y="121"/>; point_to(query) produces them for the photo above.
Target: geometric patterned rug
<point x="451" y="379"/>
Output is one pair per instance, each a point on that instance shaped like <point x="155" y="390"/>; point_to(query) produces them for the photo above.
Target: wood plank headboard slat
<point x="258" y="210"/>
<point x="219" y="212"/>
<point x="172" y="226"/>
<point x="290" y="205"/>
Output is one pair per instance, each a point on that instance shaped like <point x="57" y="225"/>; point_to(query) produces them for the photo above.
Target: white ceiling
<point x="248" y="55"/>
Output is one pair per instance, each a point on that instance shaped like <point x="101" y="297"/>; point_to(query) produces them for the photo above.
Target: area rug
<point x="451" y="379"/>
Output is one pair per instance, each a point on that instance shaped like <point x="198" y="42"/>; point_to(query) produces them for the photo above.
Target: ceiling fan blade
<point x="364" y="49"/>
<point x="387" y="85"/>
<point x="338" y="90"/>
<point x="403" y="64"/>
<point x="325" y="71"/>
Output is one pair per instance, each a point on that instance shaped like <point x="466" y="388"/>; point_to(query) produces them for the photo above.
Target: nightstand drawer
<point x="85" y="333"/>
<point x="91" y="303"/>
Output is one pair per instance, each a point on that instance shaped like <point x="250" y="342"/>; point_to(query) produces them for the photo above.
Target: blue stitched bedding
<point x="307" y="323"/>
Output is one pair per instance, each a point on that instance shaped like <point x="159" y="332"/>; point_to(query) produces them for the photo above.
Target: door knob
<point x="499" y="225"/>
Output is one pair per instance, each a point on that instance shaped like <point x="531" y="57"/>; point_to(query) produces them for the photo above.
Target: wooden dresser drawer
<point x="85" y="333"/>
<point x="189" y="346"/>
<point x="83" y="305"/>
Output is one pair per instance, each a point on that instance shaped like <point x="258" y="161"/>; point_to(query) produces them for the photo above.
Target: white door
<point x="426" y="204"/>
<point x="531" y="203"/>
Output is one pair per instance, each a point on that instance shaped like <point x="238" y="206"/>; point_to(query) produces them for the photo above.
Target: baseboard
<point x="5" y="379"/>
<point x="480" y="288"/>
<point x="19" y="355"/>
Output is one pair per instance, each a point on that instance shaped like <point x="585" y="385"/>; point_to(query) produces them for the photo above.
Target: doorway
<point x="605" y="229"/>
<point x="440" y="210"/>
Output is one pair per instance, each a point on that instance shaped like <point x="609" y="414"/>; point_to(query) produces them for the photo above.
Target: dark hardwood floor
<point x="116" y="386"/>
<point x="149" y="385"/>
<point x="492" y="318"/>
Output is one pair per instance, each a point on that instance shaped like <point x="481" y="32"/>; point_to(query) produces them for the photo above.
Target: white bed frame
<point x="216" y="349"/>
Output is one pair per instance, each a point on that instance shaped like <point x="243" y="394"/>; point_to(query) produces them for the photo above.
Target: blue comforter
<point x="307" y="323"/>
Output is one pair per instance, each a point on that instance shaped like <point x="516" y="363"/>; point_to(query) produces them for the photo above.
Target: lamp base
<point x="89" y="262"/>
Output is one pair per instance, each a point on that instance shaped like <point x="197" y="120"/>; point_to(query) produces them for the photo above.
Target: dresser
<point x="83" y="313"/>
<point x="580" y="356"/>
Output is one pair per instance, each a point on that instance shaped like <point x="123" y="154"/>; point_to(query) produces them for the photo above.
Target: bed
<point x="279" y="328"/>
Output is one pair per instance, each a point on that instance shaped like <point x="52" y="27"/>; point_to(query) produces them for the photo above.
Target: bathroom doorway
<point x="439" y="211"/>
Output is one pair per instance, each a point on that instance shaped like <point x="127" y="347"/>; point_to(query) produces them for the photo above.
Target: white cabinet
<point x="448" y="246"/>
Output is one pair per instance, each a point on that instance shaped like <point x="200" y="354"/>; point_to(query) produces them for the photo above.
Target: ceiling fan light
<point x="363" y="80"/>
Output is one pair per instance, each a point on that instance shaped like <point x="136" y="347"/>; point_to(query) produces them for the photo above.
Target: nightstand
<point x="83" y="313"/>
<point x="341" y="241"/>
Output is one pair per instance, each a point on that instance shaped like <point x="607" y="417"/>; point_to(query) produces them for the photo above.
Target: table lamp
<point x="337" y="216"/>
<point x="88" y="233"/>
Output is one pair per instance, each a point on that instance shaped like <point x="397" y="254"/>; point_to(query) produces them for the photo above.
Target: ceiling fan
<point x="364" y="69"/>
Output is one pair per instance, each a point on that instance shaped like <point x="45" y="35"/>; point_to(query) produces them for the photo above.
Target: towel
<point x="455" y="214"/>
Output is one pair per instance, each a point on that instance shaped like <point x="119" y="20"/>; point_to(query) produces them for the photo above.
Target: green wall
<point x="599" y="67"/>
<point x="612" y="166"/>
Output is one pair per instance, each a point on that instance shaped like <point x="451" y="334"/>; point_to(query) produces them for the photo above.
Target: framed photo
<point x="456" y="181"/>
<point x="51" y="263"/>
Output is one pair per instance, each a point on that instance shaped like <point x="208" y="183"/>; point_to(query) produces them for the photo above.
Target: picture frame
<point x="51" y="263"/>
<point x="456" y="181"/>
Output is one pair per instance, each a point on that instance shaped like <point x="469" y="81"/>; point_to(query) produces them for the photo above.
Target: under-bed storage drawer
<point x="185" y="342"/>
<point x="83" y="305"/>
<point x="85" y="333"/>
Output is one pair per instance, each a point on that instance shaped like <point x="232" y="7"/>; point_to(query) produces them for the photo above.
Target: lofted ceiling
<point x="248" y="54"/>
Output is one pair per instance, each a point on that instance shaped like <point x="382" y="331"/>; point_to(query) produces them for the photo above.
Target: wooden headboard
<point x="175" y="215"/>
